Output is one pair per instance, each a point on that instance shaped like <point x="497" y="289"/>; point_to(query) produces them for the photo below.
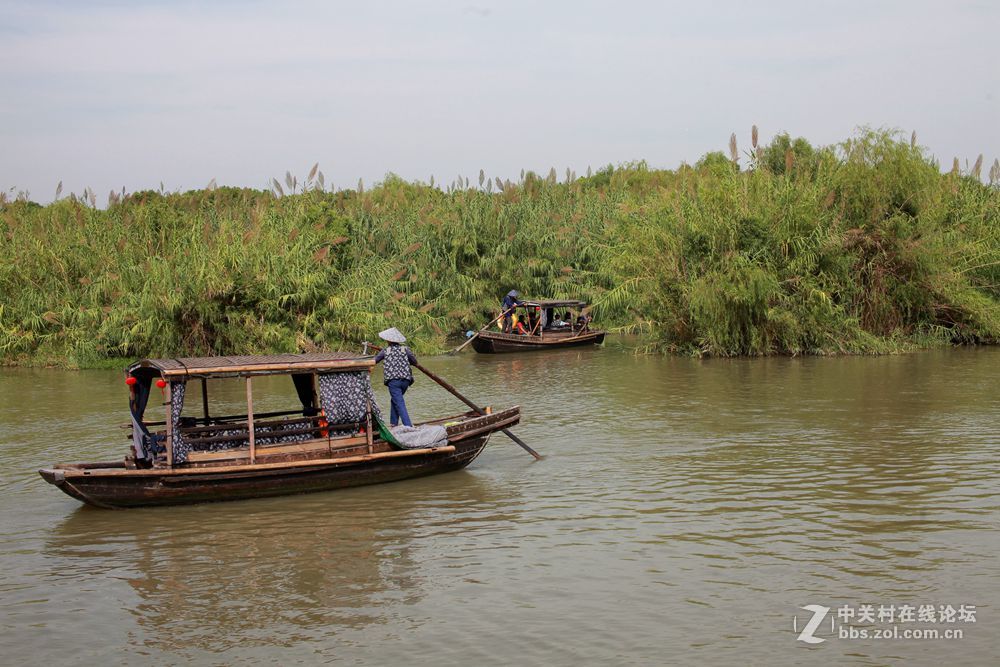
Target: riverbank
<point x="860" y="248"/>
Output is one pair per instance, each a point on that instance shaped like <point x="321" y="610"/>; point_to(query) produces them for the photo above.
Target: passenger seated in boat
<point x="533" y="317"/>
<point x="519" y="326"/>
<point x="560" y="323"/>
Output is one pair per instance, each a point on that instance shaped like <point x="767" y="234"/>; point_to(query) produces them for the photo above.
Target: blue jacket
<point x="510" y="301"/>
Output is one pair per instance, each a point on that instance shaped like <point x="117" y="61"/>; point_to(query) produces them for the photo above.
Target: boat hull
<point x="119" y="489"/>
<point x="116" y="485"/>
<point x="494" y="343"/>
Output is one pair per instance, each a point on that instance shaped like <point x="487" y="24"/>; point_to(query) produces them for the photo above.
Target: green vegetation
<point x="863" y="247"/>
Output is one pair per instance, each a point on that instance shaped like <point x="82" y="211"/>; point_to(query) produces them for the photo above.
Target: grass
<point x="863" y="247"/>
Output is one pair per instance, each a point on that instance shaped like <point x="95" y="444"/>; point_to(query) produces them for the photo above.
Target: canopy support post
<point x="170" y="424"/>
<point x="250" y="427"/>
<point x="204" y="398"/>
<point x="368" y="426"/>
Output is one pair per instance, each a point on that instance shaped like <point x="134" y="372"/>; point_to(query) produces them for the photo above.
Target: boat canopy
<point x="556" y="303"/>
<point x="181" y="368"/>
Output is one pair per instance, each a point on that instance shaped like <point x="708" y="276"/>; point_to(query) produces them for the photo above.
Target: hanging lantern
<point x="161" y="383"/>
<point x="130" y="380"/>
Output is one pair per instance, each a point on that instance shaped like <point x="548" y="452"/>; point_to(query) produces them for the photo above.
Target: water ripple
<point x="685" y="511"/>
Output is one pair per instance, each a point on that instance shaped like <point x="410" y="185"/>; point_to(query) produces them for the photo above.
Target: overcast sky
<point x="129" y="94"/>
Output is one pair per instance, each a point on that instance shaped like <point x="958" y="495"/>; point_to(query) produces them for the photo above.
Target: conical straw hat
<point x="392" y="335"/>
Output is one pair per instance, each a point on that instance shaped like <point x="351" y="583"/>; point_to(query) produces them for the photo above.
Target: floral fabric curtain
<point x="181" y="448"/>
<point x="344" y="397"/>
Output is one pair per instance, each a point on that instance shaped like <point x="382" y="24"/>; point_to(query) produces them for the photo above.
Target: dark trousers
<point x="398" y="410"/>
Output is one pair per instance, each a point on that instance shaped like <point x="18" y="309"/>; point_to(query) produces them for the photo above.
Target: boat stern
<point x="53" y="476"/>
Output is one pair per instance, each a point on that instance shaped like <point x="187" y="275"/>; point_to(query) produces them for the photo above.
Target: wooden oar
<point x="476" y="335"/>
<point x="479" y="410"/>
<point x="583" y="327"/>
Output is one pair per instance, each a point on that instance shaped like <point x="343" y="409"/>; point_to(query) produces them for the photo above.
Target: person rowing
<point x="509" y="303"/>
<point x="396" y="373"/>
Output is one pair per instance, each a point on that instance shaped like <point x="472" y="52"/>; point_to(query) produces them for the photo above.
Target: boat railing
<point x="214" y="422"/>
<point x="233" y="435"/>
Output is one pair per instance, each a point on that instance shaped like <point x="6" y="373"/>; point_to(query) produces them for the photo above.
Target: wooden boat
<point x="335" y="440"/>
<point x="546" y="333"/>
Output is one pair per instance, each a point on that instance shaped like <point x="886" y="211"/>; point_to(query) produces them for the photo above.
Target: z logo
<point x="818" y="614"/>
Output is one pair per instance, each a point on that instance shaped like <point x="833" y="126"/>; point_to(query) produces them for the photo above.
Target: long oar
<point x="472" y="405"/>
<point x="478" y="409"/>
<point x="476" y="335"/>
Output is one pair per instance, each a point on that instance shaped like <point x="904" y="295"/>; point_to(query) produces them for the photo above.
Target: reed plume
<point x="864" y="247"/>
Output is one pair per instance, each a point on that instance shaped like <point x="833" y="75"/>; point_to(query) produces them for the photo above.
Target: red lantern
<point x="161" y="383"/>
<point x="130" y="380"/>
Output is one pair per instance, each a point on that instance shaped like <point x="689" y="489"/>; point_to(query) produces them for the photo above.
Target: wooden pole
<point x="204" y="398"/>
<point x="478" y="410"/>
<point x="253" y="451"/>
<point x="476" y="335"/>
<point x="170" y="424"/>
<point x="368" y="427"/>
<point x="585" y="326"/>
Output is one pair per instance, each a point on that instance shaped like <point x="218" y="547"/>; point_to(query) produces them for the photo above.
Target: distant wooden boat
<point x="544" y="329"/>
<point x="335" y="440"/>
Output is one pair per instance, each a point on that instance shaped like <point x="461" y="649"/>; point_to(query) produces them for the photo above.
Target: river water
<point x="686" y="511"/>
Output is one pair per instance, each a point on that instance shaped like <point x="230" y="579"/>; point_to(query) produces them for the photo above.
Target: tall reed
<point x="862" y="247"/>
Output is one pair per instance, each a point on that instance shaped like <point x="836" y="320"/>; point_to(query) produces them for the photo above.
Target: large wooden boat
<point x="544" y="326"/>
<point x="335" y="439"/>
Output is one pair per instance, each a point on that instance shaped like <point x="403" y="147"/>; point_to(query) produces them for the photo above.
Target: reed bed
<point x="862" y="247"/>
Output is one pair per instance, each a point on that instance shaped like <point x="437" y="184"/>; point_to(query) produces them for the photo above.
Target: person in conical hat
<point x="396" y="373"/>
<point x="509" y="303"/>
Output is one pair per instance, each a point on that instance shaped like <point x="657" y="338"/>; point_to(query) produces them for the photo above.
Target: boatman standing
<point x="396" y="373"/>
<point x="507" y="305"/>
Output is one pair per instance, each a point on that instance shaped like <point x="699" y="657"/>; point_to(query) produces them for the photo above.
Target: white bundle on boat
<point x="417" y="437"/>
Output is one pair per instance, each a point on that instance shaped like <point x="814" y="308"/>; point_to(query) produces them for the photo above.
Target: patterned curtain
<point x="345" y="397"/>
<point x="181" y="448"/>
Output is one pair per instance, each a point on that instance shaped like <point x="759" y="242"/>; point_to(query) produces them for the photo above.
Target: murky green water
<point x="685" y="513"/>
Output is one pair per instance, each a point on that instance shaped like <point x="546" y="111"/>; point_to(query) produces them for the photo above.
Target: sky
<point x="112" y="95"/>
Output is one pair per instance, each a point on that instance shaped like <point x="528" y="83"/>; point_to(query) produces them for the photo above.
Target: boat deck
<point x="317" y="466"/>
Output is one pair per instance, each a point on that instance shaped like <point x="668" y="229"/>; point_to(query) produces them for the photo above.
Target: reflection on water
<point x="276" y="572"/>
<point x="685" y="511"/>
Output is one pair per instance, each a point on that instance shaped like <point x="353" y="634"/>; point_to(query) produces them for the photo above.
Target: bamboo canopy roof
<point x="272" y="364"/>
<point x="555" y="303"/>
